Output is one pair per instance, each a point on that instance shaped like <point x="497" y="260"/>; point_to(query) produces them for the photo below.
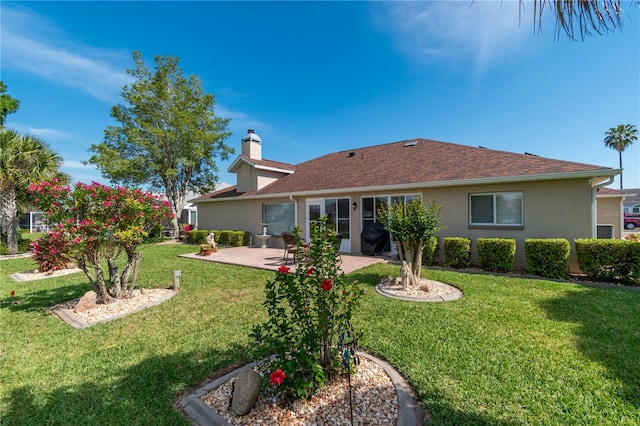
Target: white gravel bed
<point x="37" y="275"/>
<point x="142" y="298"/>
<point x="435" y="288"/>
<point x="373" y="394"/>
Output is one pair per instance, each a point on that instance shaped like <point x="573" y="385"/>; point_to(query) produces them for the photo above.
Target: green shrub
<point x="548" y="257"/>
<point x="457" y="252"/>
<point x="609" y="259"/>
<point x="236" y="238"/>
<point x="225" y="238"/>
<point x="197" y="236"/>
<point x="4" y="249"/>
<point x="431" y="251"/>
<point x="496" y="254"/>
<point x="246" y="238"/>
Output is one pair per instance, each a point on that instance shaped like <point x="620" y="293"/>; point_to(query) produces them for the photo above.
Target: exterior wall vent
<point x="604" y="231"/>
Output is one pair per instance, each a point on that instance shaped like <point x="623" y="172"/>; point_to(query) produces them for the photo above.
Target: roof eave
<point x="440" y="184"/>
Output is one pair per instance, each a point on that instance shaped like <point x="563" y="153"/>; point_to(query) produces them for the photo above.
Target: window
<point x="496" y="209"/>
<point x="279" y="217"/>
<point x="371" y="205"/>
<point x="338" y="215"/>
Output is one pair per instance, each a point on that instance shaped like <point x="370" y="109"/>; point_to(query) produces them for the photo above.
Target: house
<point x="485" y="193"/>
<point x="610" y="212"/>
<point x="632" y="201"/>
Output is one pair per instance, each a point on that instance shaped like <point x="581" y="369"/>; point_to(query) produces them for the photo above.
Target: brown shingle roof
<point x="406" y="162"/>
<point x="415" y="161"/>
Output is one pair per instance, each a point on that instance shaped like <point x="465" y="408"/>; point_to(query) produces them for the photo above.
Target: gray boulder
<point x="245" y="392"/>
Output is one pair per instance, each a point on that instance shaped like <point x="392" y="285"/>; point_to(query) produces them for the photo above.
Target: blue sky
<point x="317" y="77"/>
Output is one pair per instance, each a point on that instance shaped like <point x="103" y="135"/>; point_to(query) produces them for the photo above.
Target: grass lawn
<point x="512" y="351"/>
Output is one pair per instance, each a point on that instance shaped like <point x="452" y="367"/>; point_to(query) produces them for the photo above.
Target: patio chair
<point x="292" y="246"/>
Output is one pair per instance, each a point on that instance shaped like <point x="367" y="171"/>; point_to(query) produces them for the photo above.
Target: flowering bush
<point x="99" y="223"/>
<point x="52" y="251"/>
<point x="310" y="310"/>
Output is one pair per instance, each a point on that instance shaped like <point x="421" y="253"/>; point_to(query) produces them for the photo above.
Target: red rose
<point x="277" y="377"/>
<point x="326" y="285"/>
<point x="309" y="271"/>
<point x="284" y="269"/>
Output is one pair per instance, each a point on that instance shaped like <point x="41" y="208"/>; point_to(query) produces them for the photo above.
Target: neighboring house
<point x="632" y="201"/>
<point x="610" y="211"/>
<point x="485" y="193"/>
<point x="189" y="214"/>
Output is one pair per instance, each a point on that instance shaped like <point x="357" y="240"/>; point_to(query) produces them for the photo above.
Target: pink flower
<point x="106" y="204"/>
<point x="284" y="269"/>
<point x="277" y="377"/>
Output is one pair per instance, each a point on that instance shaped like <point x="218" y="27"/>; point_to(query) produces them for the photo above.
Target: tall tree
<point x="619" y="138"/>
<point x="583" y="16"/>
<point x="23" y="160"/>
<point x="8" y="104"/>
<point x="168" y="137"/>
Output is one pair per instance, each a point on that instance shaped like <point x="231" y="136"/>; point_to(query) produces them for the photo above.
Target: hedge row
<point x="223" y="238"/>
<point x="599" y="259"/>
<point x="609" y="259"/>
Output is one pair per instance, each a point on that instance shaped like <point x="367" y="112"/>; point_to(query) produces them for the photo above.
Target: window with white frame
<point x="496" y="209"/>
<point x="279" y="217"/>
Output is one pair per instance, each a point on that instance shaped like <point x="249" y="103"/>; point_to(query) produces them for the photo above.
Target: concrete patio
<point x="272" y="258"/>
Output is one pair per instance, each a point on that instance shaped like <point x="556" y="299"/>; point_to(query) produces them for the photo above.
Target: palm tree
<point x="619" y="138"/>
<point x="23" y="160"/>
<point x="601" y="16"/>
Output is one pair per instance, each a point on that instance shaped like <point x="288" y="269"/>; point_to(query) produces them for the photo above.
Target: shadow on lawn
<point x="143" y="394"/>
<point x="609" y="321"/>
<point x="43" y="299"/>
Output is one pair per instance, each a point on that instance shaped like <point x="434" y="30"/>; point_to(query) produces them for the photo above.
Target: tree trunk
<point x="114" y="277"/>
<point x="106" y="298"/>
<point x="133" y="259"/>
<point x="9" y="218"/>
<point x="94" y="285"/>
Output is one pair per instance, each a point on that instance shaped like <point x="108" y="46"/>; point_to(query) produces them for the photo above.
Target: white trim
<point x="257" y="166"/>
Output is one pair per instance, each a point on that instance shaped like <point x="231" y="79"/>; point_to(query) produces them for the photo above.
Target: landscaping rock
<point x="87" y="301"/>
<point x="245" y="392"/>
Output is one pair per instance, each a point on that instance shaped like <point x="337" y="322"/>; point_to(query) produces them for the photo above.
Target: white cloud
<point x="71" y="164"/>
<point x="482" y="32"/>
<point x="242" y="120"/>
<point x="30" y="43"/>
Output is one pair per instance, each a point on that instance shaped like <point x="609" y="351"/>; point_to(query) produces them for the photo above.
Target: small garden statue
<point x="211" y="240"/>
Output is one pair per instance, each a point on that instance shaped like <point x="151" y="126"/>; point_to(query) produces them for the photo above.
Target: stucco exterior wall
<point x="610" y="212"/>
<point x="252" y="179"/>
<point x="552" y="209"/>
<point x="240" y="215"/>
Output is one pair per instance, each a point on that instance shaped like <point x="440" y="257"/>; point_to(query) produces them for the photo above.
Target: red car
<point x="631" y="220"/>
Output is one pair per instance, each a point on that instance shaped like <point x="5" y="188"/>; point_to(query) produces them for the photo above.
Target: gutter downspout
<point x="295" y="209"/>
<point x="594" y="212"/>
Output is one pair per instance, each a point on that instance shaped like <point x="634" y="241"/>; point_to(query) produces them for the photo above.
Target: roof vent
<point x="528" y="153"/>
<point x="410" y="144"/>
<point x="352" y="154"/>
<point x="483" y="147"/>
